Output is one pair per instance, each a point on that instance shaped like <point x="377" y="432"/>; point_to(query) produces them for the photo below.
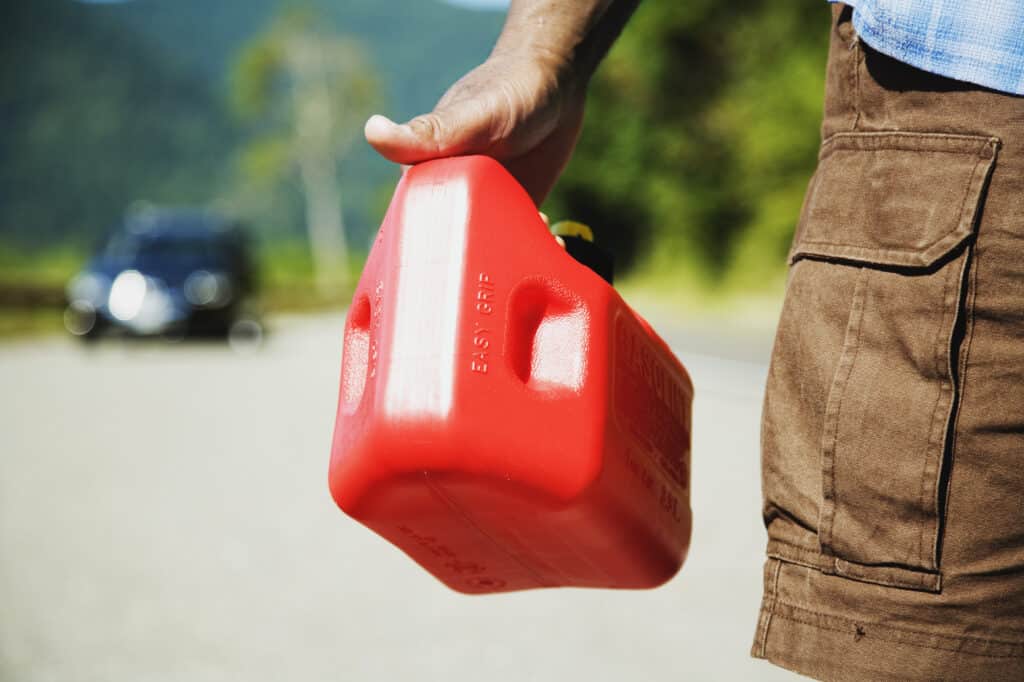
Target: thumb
<point x="443" y="132"/>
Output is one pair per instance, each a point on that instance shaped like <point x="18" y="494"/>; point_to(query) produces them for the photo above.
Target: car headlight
<point x="127" y="294"/>
<point x="208" y="289"/>
<point x="141" y="302"/>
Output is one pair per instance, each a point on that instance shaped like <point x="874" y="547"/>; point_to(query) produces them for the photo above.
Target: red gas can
<point x="505" y="418"/>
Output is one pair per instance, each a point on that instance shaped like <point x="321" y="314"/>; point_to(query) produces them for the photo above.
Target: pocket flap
<point x="897" y="199"/>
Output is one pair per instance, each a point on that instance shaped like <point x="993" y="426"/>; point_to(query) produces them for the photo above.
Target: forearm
<point x="570" y="34"/>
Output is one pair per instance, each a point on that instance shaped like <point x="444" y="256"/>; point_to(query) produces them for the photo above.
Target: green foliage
<point x="30" y="322"/>
<point x="701" y="130"/>
<point x="106" y="104"/>
<point x="254" y="76"/>
<point x="265" y="161"/>
<point x="50" y="268"/>
<point x="701" y="134"/>
<point x="308" y="90"/>
<point x="32" y="288"/>
<point x="288" y="279"/>
<point x="300" y="83"/>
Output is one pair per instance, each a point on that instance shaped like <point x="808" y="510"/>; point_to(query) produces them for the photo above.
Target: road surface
<point x="164" y="515"/>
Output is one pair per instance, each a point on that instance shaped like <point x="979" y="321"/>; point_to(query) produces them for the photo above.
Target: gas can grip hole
<point x="547" y="336"/>
<point x="356" y="353"/>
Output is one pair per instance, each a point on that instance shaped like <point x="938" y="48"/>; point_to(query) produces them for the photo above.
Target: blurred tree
<point x="307" y="90"/>
<point x="701" y="134"/>
<point x="417" y="48"/>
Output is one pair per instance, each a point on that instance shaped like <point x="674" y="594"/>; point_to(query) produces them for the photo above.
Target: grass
<point x="17" y="322"/>
<point x="31" y="289"/>
<point x="50" y="268"/>
<point x="682" y="293"/>
<point x="288" y="282"/>
<point x="32" y="285"/>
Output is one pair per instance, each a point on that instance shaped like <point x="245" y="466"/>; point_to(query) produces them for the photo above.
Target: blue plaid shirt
<point x="978" y="41"/>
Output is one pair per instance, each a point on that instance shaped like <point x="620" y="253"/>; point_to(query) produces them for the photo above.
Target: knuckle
<point x="430" y="128"/>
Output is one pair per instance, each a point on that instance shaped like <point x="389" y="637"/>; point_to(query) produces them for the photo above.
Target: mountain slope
<point x="91" y="121"/>
<point x="419" y="46"/>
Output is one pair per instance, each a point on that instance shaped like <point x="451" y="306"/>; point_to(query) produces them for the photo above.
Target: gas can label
<point x="648" y="403"/>
<point x="483" y="305"/>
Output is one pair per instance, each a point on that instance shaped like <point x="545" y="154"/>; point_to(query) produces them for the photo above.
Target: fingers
<point x="516" y="120"/>
<point x="398" y="143"/>
<point x="446" y="132"/>
<point x="426" y="137"/>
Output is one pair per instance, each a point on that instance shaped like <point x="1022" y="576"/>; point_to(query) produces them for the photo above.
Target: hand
<point x="523" y="110"/>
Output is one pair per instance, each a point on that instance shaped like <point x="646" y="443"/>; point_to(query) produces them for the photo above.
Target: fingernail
<point x="380" y="124"/>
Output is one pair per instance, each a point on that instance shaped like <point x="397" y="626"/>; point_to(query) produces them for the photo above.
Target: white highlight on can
<point x="431" y="265"/>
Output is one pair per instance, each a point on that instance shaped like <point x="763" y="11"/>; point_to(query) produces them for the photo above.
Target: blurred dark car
<point x="166" y="272"/>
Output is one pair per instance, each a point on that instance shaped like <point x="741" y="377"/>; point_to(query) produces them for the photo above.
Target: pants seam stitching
<point x="857" y="626"/>
<point x="770" y="609"/>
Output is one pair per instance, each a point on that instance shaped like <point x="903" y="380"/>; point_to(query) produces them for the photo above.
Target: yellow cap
<point x="571" y="228"/>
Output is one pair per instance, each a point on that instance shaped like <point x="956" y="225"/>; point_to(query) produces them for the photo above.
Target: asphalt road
<point x="164" y="515"/>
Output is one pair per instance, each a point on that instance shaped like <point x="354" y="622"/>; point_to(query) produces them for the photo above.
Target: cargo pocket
<point x="862" y="390"/>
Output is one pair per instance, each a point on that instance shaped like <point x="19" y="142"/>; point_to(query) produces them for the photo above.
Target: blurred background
<point x="194" y="171"/>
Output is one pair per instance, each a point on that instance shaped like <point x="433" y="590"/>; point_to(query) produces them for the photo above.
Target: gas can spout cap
<point x="571" y="228"/>
<point x="578" y="240"/>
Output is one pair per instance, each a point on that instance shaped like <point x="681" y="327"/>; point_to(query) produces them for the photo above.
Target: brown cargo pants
<point x="893" y="429"/>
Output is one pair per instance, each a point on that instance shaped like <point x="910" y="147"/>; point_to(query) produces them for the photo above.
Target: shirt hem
<point x="892" y="42"/>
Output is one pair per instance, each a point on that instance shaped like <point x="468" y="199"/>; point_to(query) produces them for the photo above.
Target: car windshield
<point x="175" y="247"/>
